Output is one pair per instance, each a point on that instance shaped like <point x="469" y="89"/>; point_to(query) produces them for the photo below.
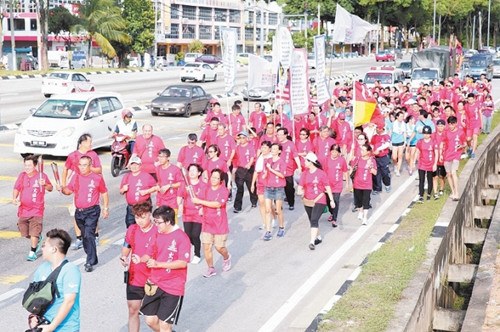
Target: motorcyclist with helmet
<point x="128" y="127"/>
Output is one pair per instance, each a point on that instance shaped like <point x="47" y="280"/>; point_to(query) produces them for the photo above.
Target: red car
<point x="207" y="58"/>
<point x="384" y="56"/>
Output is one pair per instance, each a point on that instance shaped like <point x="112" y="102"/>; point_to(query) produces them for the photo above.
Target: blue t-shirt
<point x="68" y="281"/>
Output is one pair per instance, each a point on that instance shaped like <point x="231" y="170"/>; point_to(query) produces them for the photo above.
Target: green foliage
<point x="179" y="56"/>
<point x="140" y="19"/>
<point x="61" y="20"/>
<point x="196" y="46"/>
<point x="299" y="39"/>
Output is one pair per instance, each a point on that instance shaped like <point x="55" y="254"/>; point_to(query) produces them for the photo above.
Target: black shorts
<point x="398" y="144"/>
<point x="166" y="306"/>
<point x="135" y="292"/>
<point x="441" y="171"/>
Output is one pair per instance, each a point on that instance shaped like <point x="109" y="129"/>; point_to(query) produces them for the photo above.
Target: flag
<point x="365" y="107"/>
<point x="322" y="94"/>
<point x="229" y="37"/>
<point x="348" y="28"/>
<point x="282" y="90"/>
<point x="299" y="82"/>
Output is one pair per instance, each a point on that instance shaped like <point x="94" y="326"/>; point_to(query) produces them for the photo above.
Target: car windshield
<point x="405" y="65"/>
<point x="478" y="63"/>
<point x="60" y="108"/>
<point x="63" y="76"/>
<point x="384" y="78"/>
<point x="176" y="92"/>
<point x="496" y="62"/>
<point x="424" y="75"/>
<point x="191" y="65"/>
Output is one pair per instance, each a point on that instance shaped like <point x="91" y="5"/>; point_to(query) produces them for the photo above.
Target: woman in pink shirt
<point x="303" y="145"/>
<point x="365" y="166"/>
<point x="335" y="167"/>
<point x="259" y="181"/>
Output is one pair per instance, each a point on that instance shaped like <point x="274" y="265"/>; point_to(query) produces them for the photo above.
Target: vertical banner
<point x="285" y="46"/>
<point x="229" y="37"/>
<point x="319" y="53"/>
<point x="299" y="87"/>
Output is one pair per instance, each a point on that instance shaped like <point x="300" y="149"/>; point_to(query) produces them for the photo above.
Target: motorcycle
<point x="119" y="154"/>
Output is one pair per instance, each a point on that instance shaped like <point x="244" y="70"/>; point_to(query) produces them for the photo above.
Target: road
<point x="277" y="285"/>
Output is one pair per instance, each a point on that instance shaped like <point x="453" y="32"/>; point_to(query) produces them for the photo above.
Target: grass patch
<point x="370" y="302"/>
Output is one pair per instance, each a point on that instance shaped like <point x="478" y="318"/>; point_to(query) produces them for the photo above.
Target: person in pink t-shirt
<point x="473" y="110"/>
<point x="137" y="186"/>
<point x="257" y="119"/>
<point x="29" y="196"/>
<point x="138" y="238"/>
<point x="215" y="228"/>
<point x="244" y="165"/>
<point x="147" y="147"/>
<point x="451" y="149"/>
<point x="259" y="181"/>
<point x="192" y="214"/>
<point x="365" y="166"/>
<point x="209" y="133"/>
<point x="190" y="153"/>
<point x="88" y="188"/>
<point x="169" y="180"/>
<point x="312" y="186"/>
<point x="427" y="156"/>
<point x="168" y="258"/>
<point x="236" y="121"/>
<point x="335" y="168"/>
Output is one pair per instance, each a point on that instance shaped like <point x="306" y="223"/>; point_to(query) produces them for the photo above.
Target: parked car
<point x="55" y="126"/>
<point x="208" y="58"/>
<point x="65" y="82"/>
<point x="191" y="57"/>
<point x="496" y="67"/>
<point x="488" y="50"/>
<point x="242" y="58"/>
<point x="258" y="93"/>
<point x="181" y="99"/>
<point x="405" y="66"/>
<point x="384" y="55"/>
<point x="198" y="72"/>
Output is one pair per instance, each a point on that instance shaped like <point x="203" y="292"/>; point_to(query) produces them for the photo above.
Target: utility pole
<point x="480" y="41"/>
<point x="12" y="35"/>
<point x="43" y="9"/>
<point x="305" y="31"/>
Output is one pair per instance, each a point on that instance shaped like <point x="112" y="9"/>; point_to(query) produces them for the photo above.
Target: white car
<point x="191" y="57"/>
<point x="65" y="82"/>
<point x="198" y="71"/>
<point x="54" y="128"/>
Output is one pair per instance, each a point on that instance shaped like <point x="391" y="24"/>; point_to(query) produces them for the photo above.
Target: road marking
<point x="9" y="234"/>
<point x="8" y="145"/>
<point x="5" y="200"/>
<point x="320" y="273"/>
<point x="11" y="293"/>
<point x="12" y="279"/>
<point x="7" y="178"/>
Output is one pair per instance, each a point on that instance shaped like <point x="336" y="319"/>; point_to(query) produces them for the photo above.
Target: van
<point x="387" y="75"/>
<point x="191" y="57"/>
<point x="481" y="64"/>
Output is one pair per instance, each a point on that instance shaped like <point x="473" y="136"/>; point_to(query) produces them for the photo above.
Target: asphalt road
<point x="278" y="285"/>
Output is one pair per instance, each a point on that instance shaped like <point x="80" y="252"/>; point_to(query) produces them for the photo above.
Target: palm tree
<point x="102" y="21"/>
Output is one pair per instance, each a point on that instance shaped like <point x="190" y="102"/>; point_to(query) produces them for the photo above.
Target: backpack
<point x="41" y="294"/>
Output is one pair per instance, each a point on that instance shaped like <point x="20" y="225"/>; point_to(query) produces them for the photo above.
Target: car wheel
<point x="47" y="95"/>
<point x="183" y="79"/>
<point x="203" y="78"/>
<point x="154" y="113"/>
<point x="187" y="112"/>
<point x="215" y="77"/>
<point x="92" y="89"/>
<point x="205" y="110"/>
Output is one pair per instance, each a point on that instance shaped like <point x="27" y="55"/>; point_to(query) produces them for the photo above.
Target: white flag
<point x="348" y="28"/>
<point x="260" y="73"/>
<point x="299" y="87"/>
<point x="284" y="46"/>
<point x="229" y="37"/>
<point x="322" y="94"/>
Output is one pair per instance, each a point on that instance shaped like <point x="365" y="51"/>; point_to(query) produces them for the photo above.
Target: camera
<point x="40" y="321"/>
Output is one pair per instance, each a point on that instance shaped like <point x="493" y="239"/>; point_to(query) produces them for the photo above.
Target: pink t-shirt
<point x="237" y="123"/>
<point x="74" y="157"/>
<point x="451" y="140"/>
<point x="427" y="156"/>
<point x="438" y="138"/>
<point x="314" y="184"/>
<point x="208" y="136"/>
<point x="221" y="116"/>
<point x="139" y="242"/>
<point x="141" y="181"/>
<point x="191" y="212"/>
<point x="288" y="154"/>
<point x="170" y="247"/>
<point x="272" y="180"/>
<point x="215" y="219"/>
<point x="226" y="145"/>
<point x="303" y="147"/>
<point x="147" y="150"/>
<point x="243" y="155"/>
<point x="87" y="189"/>
<point x="335" y="168"/>
<point x="344" y="132"/>
<point x="473" y="112"/>
<point x="258" y="121"/>
<point x="171" y="174"/>
<point x="363" y="178"/>
<point x="210" y="165"/>
<point x="322" y="148"/>
<point x="191" y="155"/>
<point x="31" y="194"/>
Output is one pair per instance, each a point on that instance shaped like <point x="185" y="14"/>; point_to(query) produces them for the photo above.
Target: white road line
<point x="393" y="228"/>
<point x="377" y="246"/>
<point x="11" y="293"/>
<point x="354" y="275"/>
<point x="311" y="282"/>
<point x="330" y="304"/>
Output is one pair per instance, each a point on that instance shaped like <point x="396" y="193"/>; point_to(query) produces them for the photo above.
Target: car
<point x="496" y="67"/>
<point x="54" y="127"/>
<point x="191" y="57"/>
<point x="59" y="82"/>
<point x="311" y="60"/>
<point x="405" y="66"/>
<point x="470" y="52"/>
<point x="208" y="58"/>
<point x="384" y="55"/>
<point x="258" y="93"/>
<point x="198" y="72"/>
<point x="487" y="50"/>
<point x="181" y="99"/>
<point x="242" y="58"/>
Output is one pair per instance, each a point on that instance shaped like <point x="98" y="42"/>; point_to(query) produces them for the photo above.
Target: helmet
<point x="127" y="113"/>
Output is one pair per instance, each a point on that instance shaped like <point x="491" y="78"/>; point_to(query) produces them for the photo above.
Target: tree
<point x="61" y="20"/>
<point x="102" y="21"/>
<point x="140" y="20"/>
<point x="196" y="46"/>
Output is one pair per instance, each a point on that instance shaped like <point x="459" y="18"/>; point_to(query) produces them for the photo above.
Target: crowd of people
<point x="318" y="156"/>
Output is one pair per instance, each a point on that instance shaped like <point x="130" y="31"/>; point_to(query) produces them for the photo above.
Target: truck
<point x="431" y="66"/>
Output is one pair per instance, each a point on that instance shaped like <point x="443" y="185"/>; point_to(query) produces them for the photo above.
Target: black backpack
<point x="41" y="294"/>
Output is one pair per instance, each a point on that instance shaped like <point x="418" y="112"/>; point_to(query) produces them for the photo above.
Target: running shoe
<point x="312" y="246"/>
<point x="78" y="244"/>
<point x="39" y="244"/>
<point x="226" y="265"/>
<point x="281" y="232"/>
<point x="365" y="221"/>
<point x="195" y="260"/>
<point x="318" y="240"/>
<point x="97" y="241"/>
<point x="334" y="223"/>
<point x="210" y="272"/>
<point x="268" y="236"/>
<point x="436" y="197"/>
<point x="441" y="193"/>
<point x="360" y="215"/>
<point x="397" y="173"/>
<point x="420" y="199"/>
<point x="261" y="227"/>
<point x="388" y="189"/>
<point x="31" y="256"/>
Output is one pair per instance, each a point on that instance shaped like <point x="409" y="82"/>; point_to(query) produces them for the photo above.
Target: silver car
<point x="181" y="99"/>
<point x="496" y="67"/>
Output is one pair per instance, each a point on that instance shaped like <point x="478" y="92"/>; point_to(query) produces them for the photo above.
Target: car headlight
<point x="67" y="132"/>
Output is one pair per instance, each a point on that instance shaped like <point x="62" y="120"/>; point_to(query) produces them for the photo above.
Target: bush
<point x="179" y="56"/>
